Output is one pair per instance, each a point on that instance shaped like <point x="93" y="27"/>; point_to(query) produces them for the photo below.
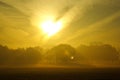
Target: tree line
<point x="61" y="54"/>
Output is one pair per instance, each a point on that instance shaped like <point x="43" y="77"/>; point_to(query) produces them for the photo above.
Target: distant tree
<point x="29" y="56"/>
<point x="61" y="54"/>
<point x="33" y="55"/>
<point x="21" y="57"/>
<point x="3" y="53"/>
<point x="99" y="53"/>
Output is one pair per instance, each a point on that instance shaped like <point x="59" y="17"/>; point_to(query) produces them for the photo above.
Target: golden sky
<point x="83" y="22"/>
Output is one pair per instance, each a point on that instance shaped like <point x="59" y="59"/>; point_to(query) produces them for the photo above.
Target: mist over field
<point x="59" y="40"/>
<point x="94" y="55"/>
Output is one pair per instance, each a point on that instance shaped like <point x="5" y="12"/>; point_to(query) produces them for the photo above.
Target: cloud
<point x="15" y="26"/>
<point x="104" y="30"/>
<point x="95" y="22"/>
<point x="84" y="20"/>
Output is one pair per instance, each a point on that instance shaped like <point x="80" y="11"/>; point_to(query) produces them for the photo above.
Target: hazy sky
<point x="85" y="21"/>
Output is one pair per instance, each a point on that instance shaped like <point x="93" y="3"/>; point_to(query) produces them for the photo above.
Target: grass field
<point x="60" y="73"/>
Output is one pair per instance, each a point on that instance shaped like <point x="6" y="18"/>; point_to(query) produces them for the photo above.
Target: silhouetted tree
<point x="61" y="54"/>
<point x="99" y="53"/>
<point x="3" y="54"/>
<point x="20" y="56"/>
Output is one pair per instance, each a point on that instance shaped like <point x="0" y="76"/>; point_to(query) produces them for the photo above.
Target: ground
<point x="60" y="73"/>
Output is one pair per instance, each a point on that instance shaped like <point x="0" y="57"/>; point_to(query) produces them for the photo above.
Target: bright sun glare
<point x="50" y="27"/>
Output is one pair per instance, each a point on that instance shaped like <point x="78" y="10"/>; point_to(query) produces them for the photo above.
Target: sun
<point x="50" y="27"/>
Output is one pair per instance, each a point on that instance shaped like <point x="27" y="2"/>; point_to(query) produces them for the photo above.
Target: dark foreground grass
<point x="60" y="73"/>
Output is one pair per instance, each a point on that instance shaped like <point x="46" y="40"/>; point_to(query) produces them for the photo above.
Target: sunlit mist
<point x="59" y="35"/>
<point x="50" y="27"/>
